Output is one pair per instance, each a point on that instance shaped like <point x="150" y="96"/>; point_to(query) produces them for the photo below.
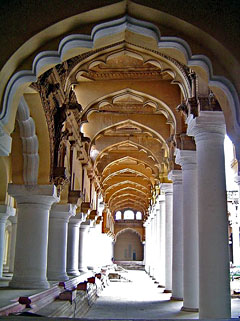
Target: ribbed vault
<point x="119" y="110"/>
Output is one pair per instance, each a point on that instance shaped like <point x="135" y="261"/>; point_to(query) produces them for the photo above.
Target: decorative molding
<point x="5" y="142"/>
<point x="29" y="144"/>
<point x="48" y="58"/>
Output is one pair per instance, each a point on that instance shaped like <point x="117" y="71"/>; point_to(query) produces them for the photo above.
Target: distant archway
<point x="128" y="246"/>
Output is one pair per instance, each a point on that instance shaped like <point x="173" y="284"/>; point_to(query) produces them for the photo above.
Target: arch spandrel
<point x="133" y="165"/>
<point x="109" y="191"/>
<point x="131" y="190"/>
<point x="104" y="122"/>
<point x="116" y="157"/>
<point x="122" y="230"/>
<point x="153" y="147"/>
<point x="120" y="178"/>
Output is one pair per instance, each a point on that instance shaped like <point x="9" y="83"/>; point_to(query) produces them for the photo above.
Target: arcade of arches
<point x="120" y="112"/>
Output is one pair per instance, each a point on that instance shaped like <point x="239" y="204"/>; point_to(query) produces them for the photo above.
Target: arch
<point x="128" y="229"/>
<point x="225" y="89"/>
<point x="153" y="132"/>
<point x="160" y="106"/>
<point x="128" y="245"/>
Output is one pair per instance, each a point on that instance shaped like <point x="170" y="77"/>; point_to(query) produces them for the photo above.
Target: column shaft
<point x="162" y="240"/>
<point x="214" y="289"/>
<point x="30" y="264"/>
<point x="13" y="220"/>
<point x="73" y="244"/>
<point x="5" y="212"/>
<point x="187" y="159"/>
<point x="83" y="240"/>
<point x="57" y="243"/>
<point x="177" y="264"/>
<point x="167" y="188"/>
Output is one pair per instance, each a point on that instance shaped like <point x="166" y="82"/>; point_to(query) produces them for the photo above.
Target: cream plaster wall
<point x="127" y="243"/>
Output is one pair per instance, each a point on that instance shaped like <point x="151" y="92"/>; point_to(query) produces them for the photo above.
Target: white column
<point x="177" y="264"/>
<point x="214" y="288"/>
<point x="155" y="240"/>
<point x="30" y="264"/>
<point x="146" y="259"/>
<point x="13" y="220"/>
<point x="187" y="159"/>
<point x="157" y="254"/>
<point x="92" y="261"/>
<point x="144" y="252"/>
<point x="5" y="212"/>
<point x="73" y="243"/>
<point x="57" y="241"/>
<point x="83" y="240"/>
<point x="167" y="188"/>
<point x="235" y="229"/>
<point x="151" y="248"/>
<point x="161" y="200"/>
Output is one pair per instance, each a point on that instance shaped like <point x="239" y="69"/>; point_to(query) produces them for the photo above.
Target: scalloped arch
<point x="47" y="59"/>
<point x="128" y="229"/>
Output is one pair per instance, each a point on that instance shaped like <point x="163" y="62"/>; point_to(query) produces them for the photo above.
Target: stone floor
<point x="138" y="297"/>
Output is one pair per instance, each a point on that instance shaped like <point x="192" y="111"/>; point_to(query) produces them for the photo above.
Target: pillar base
<point x="173" y="298"/>
<point x="73" y="273"/>
<point x="167" y="291"/>
<point x="57" y="277"/>
<point x="189" y="309"/>
<point x="83" y="270"/>
<point x="26" y="283"/>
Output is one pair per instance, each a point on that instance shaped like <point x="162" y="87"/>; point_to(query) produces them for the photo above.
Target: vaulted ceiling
<point x="124" y="105"/>
<point x="129" y="98"/>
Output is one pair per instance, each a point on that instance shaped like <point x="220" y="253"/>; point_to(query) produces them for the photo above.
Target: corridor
<point x="136" y="297"/>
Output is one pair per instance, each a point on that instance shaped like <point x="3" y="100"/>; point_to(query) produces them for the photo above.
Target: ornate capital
<point x="186" y="158"/>
<point x="210" y="125"/>
<point x="175" y="176"/>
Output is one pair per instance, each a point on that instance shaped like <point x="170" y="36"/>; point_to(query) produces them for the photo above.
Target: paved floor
<point x="140" y="299"/>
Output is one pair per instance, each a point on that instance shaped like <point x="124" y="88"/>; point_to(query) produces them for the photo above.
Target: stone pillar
<point x="73" y="243"/>
<point x="214" y="288"/>
<point x="57" y="242"/>
<point x="167" y="188"/>
<point x="187" y="159"/>
<point x="83" y="239"/>
<point x="151" y="248"/>
<point x="157" y="254"/>
<point x="177" y="264"/>
<point x="13" y="220"/>
<point x="146" y="253"/>
<point x="5" y="212"/>
<point x="30" y="264"/>
<point x="161" y="199"/>
<point x="92" y="259"/>
<point x="155" y="240"/>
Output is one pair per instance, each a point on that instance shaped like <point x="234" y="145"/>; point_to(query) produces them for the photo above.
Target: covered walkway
<point x="138" y="297"/>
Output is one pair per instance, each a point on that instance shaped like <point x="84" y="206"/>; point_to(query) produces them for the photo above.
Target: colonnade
<point x="186" y="249"/>
<point x="51" y="240"/>
<point x="196" y="258"/>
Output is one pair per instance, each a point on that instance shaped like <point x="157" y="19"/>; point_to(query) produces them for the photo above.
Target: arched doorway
<point x="128" y="246"/>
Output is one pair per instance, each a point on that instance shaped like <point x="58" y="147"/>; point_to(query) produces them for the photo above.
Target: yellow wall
<point x="127" y="243"/>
